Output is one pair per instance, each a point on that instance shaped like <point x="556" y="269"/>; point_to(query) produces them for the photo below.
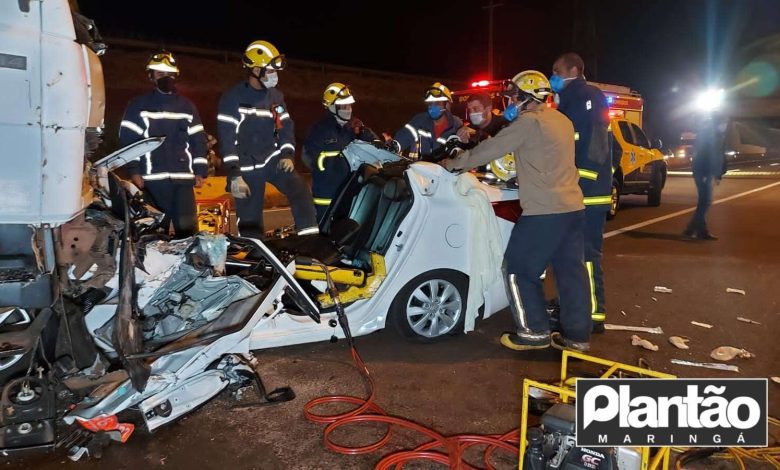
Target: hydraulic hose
<point x="447" y="450"/>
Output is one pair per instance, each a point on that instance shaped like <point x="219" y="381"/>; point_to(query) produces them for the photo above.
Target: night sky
<point x="665" y="49"/>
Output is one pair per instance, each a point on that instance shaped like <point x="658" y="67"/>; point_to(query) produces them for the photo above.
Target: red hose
<point x="440" y="449"/>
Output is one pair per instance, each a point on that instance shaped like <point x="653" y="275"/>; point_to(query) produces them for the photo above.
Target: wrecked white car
<point x="108" y="326"/>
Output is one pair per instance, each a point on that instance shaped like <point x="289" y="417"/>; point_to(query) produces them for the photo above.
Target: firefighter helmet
<point x="533" y="83"/>
<point x="263" y="54"/>
<point x="162" y="62"/>
<point x="337" y="93"/>
<point x="438" y="92"/>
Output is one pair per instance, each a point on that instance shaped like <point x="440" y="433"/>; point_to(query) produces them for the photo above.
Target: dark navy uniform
<point x="417" y="136"/>
<point x="168" y="171"/>
<point x="322" y="154"/>
<point x="586" y="106"/>
<point x="255" y="133"/>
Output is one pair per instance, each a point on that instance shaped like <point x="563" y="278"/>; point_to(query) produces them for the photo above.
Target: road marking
<point x="730" y="173"/>
<point x="685" y="211"/>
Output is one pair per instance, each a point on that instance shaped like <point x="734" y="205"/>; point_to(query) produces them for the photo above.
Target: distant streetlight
<point x="490" y="7"/>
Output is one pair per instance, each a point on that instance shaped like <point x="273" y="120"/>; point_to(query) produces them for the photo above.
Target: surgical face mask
<point x="435" y="111"/>
<point x="270" y="80"/>
<point x="477" y="118"/>
<point x="166" y="84"/>
<point x="557" y="83"/>
<point x="342" y="115"/>
<point x="513" y="110"/>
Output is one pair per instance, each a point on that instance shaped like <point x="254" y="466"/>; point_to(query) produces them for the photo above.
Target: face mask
<point x="476" y="118"/>
<point x="510" y="113"/>
<point x="435" y="111"/>
<point x="557" y="83"/>
<point x="270" y="80"/>
<point x="166" y="84"/>
<point x="342" y="115"/>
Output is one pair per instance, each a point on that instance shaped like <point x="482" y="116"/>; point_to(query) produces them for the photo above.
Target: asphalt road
<point x="472" y="384"/>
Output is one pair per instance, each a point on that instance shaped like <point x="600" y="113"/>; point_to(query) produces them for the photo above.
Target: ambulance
<point x="639" y="166"/>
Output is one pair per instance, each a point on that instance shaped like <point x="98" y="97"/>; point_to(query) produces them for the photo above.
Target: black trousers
<point x="250" y="210"/>
<point x="595" y="218"/>
<point x="177" y="201"/>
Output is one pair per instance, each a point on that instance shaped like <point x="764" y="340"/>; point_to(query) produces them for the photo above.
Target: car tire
<point x="436" y="318"/>
<point x="656" y="186"/>
<point x="615" y="205"/>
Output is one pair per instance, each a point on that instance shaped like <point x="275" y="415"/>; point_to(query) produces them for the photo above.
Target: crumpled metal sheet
<point x="191" y="298"/>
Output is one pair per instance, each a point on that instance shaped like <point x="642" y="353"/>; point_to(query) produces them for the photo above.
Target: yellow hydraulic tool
<point x="346" y="276"/>
<point x="566" y="392"/>
<point x="364" y="291"/>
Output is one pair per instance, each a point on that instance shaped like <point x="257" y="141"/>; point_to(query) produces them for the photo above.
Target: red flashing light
<point x="480" y="83"/>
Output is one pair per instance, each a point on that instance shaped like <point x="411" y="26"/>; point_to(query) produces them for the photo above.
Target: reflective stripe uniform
<point x="255" y="131"/>
<point x="168" y="171"/>
<point x="322" y="154"/>
<point x="183" y="153"/>
<point x="417" y="136"/>
<point x="586" y="106"/>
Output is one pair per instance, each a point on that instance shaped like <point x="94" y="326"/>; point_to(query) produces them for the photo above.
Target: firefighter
<point x="586" y="106"/>
<point x="167" y="174"/>
<point x="550" y="228"/>
<point x="428" y="131"/>
<point x="257" y="144"/>
<point x="323" y="146"/>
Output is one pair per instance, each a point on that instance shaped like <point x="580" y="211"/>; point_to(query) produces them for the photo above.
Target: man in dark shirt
<point x="483" y="121"/>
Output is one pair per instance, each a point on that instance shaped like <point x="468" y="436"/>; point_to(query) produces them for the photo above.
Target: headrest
<point x="395" y="189"/>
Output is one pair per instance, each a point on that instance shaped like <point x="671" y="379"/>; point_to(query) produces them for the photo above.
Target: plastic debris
<point x="703" y="325"/>
<point x="637" y="341"/>
<point x="638" y="306"/>
<point x="748" y="320"/>
<point x="623" y="312"/>
<point x="731" y="290"/>
<point x="654" y="299"/>
<point x="662" y="290"/>
<point x="775" y="380"/>
<point x="706" y="365"/>
<point x="641" y="329"/>
<point x="679" y="342"/>
<point x="727" y="353"/>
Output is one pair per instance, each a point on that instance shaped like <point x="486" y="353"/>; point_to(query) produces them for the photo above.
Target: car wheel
<point x="431" y="306"/>
<point x="615" y="203"/>
<point x="656" y="186"/>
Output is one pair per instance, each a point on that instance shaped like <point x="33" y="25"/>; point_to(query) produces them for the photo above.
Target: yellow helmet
<point x="438" y="92"/>
<point x="263" y="54"/>
<point x="337" y="93"/>
<point x="533" y="83"/>
<point x="162" y="62"/>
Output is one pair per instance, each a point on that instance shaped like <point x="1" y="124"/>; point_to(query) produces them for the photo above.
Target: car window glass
<point x="625" y="130"/>
<point x="640" y="137"/>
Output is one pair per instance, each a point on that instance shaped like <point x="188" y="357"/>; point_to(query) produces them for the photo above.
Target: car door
<point x="644" y="153"/>
<point x="629" y="160"/>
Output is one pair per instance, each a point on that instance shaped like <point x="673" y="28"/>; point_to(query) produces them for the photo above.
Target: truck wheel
<point x="615" y="204"/>
<point x="431" y="306"/>
<point x="656" y="186"/>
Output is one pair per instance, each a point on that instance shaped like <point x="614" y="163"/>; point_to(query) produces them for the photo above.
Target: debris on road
<point x="775" y="380"/>
<point x="637" y="341"/>
<point x="727" y="353"/>
<point x="654" y="299"/>
<point x="623" y="312"/>
<point x="706" y="365"/>
<point x="748" y="320"/>
<point x="638" y="306"/>
<point x="662" y="290"/>
<point x="641" y="329"/>
<point x="731" y="290"/>
<point x="703" y="325"/>
<point x="679" y="342"/>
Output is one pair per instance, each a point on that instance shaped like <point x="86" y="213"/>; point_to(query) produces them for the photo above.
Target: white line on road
<point x="684" y="211"/>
